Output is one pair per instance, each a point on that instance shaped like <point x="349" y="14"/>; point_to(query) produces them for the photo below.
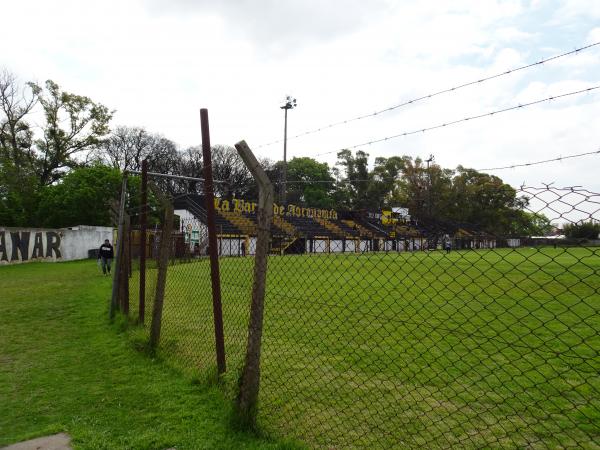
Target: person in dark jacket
<point x="448" y="245"/>
<point x="106" y="255"/>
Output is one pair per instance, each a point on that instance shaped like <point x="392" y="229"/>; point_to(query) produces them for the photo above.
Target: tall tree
<point x="309" y="183"/>
<point x="232" y="178"/>
<point x="356" y="175"/>
<point x="191" y="166"/>
<point x="582" y="230"/>
<point x="482" y="199"/>
<point x="412" y="187"/>
<point x="125" y="148"/>
<point x="16" y="103"/>
<point x="18" y="182"/>
<point x="229" y="168"/>
<point x="73" y="123"/>
<point x="82" y="197"/>
<point x="383" y="181"/>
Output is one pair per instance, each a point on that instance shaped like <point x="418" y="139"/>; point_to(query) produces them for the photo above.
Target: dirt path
<point x="59" y="441"/>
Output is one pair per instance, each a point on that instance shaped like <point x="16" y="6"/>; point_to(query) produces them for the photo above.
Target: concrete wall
<point x="19" y="245"/>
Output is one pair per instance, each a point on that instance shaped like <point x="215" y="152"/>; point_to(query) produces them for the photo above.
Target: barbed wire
<point x="512" y="166"/>
<point x="558" y="158"/>
<point x="431" y="95"/>
<point x="465" y="119"/>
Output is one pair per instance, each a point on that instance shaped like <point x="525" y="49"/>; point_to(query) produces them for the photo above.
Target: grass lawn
<point x="64" y="368"/>
<point x="475" y="348"/>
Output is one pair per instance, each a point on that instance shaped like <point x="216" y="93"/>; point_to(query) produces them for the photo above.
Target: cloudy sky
<point x="156" y="62"/>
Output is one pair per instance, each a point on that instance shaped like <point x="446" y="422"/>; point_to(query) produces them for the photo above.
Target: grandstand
<point x="297" y="230"/>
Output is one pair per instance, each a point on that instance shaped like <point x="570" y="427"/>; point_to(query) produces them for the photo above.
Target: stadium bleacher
<point x="296" y="233"/>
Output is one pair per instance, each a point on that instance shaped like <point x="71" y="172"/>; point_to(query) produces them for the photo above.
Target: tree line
<point x="61" y="165"/>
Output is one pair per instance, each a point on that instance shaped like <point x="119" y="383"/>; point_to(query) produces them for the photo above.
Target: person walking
<point x="106" y="255"/>
<point x="448" y="245"/>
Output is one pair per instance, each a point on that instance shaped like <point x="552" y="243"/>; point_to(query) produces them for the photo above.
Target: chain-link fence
<point x="187" y="330"/>
<point x="394" y="333"/>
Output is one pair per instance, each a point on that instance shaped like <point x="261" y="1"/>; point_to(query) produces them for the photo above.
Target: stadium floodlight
<point x="289" y="103"/>
<point x="431" y="158"/>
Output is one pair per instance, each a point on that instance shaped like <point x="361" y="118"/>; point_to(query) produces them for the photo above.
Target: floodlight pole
<point x="284" y="185"/>
<point x="289" y="104"/>
<point x="429" y="187"/>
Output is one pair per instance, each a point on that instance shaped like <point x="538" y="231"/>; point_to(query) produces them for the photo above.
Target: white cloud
<point x="512" y="34"/>
<point x="280" y="26"/>
<point x="577" y="8"/>
<point x="594" y="35"/>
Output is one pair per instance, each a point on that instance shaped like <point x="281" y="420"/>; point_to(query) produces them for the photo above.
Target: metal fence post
<point x="143" y="228"/>
<point x="248" y="396"/>
<point x="212" y="243"/>
<point x="116" y="273"/>
<point x="163" y="265"/>
<point x="125" y="266"/>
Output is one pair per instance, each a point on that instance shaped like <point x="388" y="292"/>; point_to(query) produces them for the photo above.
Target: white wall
<point x="350" y="246"/>
<point x="252" y="246"/>
<point x="40" y="244"/>
<point x="513" y="242"/>
<point x="230" y="247"/>
<point x="336" y="246"/>
<point x="319" y="246"/>
<point x="185" y="215"/>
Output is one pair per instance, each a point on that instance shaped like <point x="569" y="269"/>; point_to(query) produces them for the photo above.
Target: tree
<point x="232" y="178"/>
<point x="229" y="168"/>
<point x="582" y="230"/>
<point x="383" y="187"/>
<point x="191" y="166"/>
<point x="309" y="183"/>
<point x="83" y="197"/>
<point x="73" y="123"/>
<point x="19" y="195"/>
<point x="18" y="183"/>
<point x="16" y="136"/>
<point x="127" y="147"/>
<point x="412" y="187"/>
<point x="356" y="171"/>
<point x="483" y="200"/>
<point x="525" y="223"/>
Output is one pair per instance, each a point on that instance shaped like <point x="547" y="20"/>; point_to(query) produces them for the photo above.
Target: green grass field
<point x="475" y="348"/>
<point x="64" y="368"/>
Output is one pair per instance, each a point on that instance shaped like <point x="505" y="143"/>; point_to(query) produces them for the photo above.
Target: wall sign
<point x="242" y="206"/>
<point x="25" y="245"/>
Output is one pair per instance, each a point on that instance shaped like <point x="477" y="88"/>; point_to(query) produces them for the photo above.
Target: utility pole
<point x="290" y="103"/>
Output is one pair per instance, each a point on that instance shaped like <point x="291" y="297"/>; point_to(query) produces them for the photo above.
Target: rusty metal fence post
<point x="212" y="243"/>
<point x="125" y="266"/>
<point x="163" y="264"/>
<point x="114" y="303"/>
<point x="249" y="385"/>
<point x="143" y="231"/>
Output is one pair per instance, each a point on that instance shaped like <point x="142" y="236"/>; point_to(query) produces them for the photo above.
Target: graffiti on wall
<point x="25" y="245"/>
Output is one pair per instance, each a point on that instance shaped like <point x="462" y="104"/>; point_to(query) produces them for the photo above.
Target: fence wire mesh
<point x="400" y="335"/>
